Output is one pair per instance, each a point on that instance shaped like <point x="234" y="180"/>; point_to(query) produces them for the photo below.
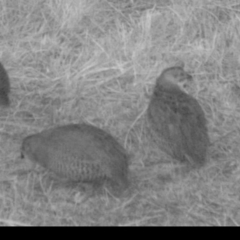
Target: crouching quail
<point x="176" y="121"/>
<point x="80" y="153"/>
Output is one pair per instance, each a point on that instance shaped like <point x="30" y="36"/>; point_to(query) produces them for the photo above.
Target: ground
<point x="96" y="61"/>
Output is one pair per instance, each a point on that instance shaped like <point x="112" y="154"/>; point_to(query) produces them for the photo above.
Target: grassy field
<point x="96" y="61"/>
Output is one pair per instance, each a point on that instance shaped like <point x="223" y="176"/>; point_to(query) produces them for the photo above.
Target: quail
<point x="80" y="153"/>
<point x="176" y="121"/>
<point x="4" y="87"/>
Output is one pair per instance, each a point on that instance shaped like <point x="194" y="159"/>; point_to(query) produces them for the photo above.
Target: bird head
<point x="174" y="77"/>
<point x="29" y="145"/>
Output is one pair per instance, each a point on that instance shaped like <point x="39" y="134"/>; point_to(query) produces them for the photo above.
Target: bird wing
<point x="182" y="109"/>
<point x="183" y="116"/>
<point x="179" y="119"/>
<point x="187" y="125"/>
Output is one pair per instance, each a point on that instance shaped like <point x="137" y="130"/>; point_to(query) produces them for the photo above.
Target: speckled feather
<point x="79" y="153"/>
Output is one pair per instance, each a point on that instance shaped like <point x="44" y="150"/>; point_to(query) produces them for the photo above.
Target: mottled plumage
<point x="176" y="121"/>
<point x="4" y="87"/>
<point x="79" y="152"/>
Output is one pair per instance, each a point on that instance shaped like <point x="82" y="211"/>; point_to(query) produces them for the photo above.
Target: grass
<point x="96" y="61"/>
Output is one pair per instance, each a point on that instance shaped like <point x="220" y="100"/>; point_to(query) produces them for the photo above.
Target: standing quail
<point x="79" y="153"/>
<point x="176" y="121"/>
<point x="4" y="87"/>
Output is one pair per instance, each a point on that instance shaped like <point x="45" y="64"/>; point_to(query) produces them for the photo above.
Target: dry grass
<point x="96" y="61"/>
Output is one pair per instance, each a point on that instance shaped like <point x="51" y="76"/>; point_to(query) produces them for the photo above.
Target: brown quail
<point x="4" y="87"/>
<point x="79" y="153"/>
<point x="176" y="121"/>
